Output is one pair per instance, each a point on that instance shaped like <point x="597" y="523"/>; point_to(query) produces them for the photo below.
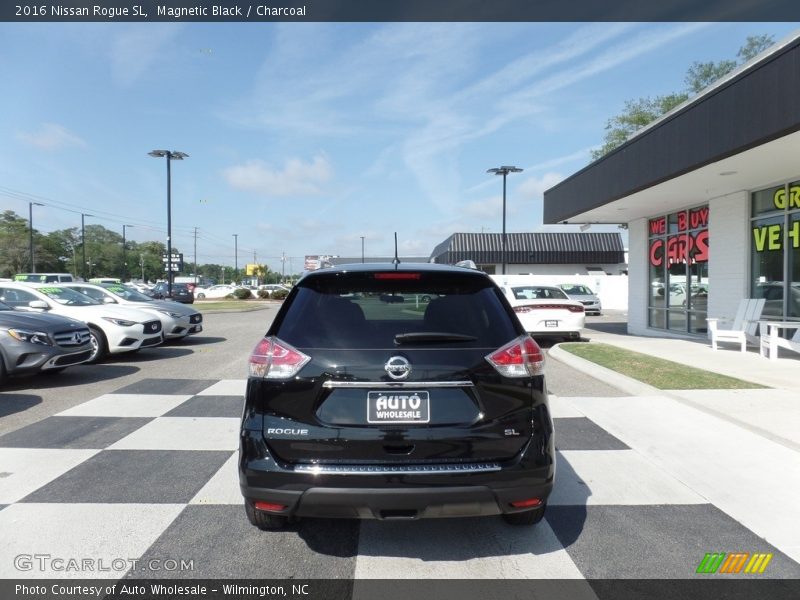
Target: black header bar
<point x="399" y="10"/>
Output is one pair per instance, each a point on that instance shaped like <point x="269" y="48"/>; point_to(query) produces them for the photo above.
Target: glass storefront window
<point x="775" y="251"/>
<point x="678" y="272"/>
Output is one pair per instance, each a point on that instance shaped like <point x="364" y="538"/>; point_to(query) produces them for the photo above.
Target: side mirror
<point x="108" y="300"/>
<point x="39" y="304"/>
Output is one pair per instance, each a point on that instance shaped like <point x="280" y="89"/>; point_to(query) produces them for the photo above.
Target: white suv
<point x="113" y="329"/>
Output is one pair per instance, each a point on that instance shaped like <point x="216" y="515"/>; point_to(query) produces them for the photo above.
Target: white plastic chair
<point x="743" y="328"/>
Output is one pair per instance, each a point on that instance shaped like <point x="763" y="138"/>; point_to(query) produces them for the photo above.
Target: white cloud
<point x="137" y="48"/>
<point x="296" y="178"/>
<point x="534" y="187"/>
<point x="488" y="207"/>
<point x="51" y="136"/>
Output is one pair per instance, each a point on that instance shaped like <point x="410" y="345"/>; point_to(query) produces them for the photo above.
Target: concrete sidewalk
<point x="740" y="449"/>
<point x="728" y="360"/>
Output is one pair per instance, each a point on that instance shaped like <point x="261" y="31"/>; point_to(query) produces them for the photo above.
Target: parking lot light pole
<point x="362" y="249"/>
<point x="504" y="171"/>
<point x="124" y="255"/>
<point x="235" y="257"/>
<point x="30" y="225"/>
<point x="83" y="243"/>
<point x="171" y="155"/>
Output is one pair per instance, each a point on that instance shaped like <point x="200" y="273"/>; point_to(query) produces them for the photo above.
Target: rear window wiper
<point x="431" y="337"/>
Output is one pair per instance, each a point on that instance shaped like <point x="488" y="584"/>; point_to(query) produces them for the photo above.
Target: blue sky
<point x="304" y="137"/>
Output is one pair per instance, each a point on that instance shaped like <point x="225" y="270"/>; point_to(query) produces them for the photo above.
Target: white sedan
<point x="113" y="329"/>
<point x="215" y="291"/>
<point x="177" y="320"/>
<point x="546" y="311"/>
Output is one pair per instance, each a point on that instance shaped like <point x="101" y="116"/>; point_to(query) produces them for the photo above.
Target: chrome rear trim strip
<point x="397" y="384"/>
<point x="397" y="469"/>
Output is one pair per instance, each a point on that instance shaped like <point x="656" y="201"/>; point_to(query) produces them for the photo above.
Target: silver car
<point x="584" y="295"/>
<point x="32" y="342"/>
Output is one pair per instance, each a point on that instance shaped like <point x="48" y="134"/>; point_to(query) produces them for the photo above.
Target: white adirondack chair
<point x="767" y="342"/>
<point x="744" y="327"/>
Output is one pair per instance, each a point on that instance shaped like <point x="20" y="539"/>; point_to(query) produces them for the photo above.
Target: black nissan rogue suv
<point x="396" y="392"/>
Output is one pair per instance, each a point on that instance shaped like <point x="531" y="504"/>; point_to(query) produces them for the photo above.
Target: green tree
<point x="637" y="114"/>
<point x="702" y="74"/>
<point x="14" y="244"/>
<point x="754" y="45"/>
<point x="641" y="112"/>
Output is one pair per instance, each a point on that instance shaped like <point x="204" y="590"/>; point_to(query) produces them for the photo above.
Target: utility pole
<point x="83" y="244"/>
<point x="283" y="266"/>
<point x="30" y="227"/>
<point x="124" y="255"/>
<point x="235" y="256"/>
<point x="195" y="257"/>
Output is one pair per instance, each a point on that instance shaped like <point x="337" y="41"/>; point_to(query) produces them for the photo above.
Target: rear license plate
<point x="398" y="407"/>
<point x="551" y="323"/>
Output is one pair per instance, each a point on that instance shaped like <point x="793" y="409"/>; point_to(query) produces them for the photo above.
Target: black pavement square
<point x="580" y="433"/>
<point x="656" y="541"/>
<point x="167" y="386"/>
<point x="134" y="476"/>
<point x="209" y="406"/>
<point x="222" y="543"/>
<point x="73" y="432"/>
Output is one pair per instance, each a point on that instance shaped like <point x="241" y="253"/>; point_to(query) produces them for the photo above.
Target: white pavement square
<point x="487" y="548"/>
<point x="617" y="477"/>
<point x="107" y="534"/>
<point x="24" y="470"/>
<point x="183" y="433"/>
<point x="562" y="408"/>
<point x="226" y="387"/>
<point x="126" y="405"/>
<point x="223" y="487"/>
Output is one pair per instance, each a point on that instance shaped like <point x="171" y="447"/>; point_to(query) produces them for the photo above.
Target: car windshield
<point x="538" y="293"/>
<point x="127" y="293"/>
<point x="67" y="296"/>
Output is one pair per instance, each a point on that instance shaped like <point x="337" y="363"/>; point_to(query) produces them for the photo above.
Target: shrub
<point x="263" y="294"/>
<point x="242" y="293"/>
<point x="230" y="297"/>
<point x="279" y="294"/>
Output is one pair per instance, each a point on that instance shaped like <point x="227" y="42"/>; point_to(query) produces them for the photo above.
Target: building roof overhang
<point x="742" y="133"/>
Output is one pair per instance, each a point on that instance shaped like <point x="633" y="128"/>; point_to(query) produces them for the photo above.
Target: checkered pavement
<point x="149" y="472"/>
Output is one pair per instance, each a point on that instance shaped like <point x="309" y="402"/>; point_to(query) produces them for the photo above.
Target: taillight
<point x="519" y="358"/>
<point x="275" y="359"/>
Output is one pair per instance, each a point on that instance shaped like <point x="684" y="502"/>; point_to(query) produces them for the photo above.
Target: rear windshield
<point x="529" y="292"/>
<point x="359" y="311"/>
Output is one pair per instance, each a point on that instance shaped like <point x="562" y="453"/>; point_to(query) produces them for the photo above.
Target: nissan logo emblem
<point x="398" y="367"/>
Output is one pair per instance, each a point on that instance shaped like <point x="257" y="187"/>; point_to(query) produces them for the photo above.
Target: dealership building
<point x="710" y="194"/>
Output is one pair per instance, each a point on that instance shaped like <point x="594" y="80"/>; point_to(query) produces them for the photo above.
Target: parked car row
<point x="49" y="326"/>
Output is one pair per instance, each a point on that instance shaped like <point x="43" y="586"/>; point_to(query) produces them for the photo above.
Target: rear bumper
<point x="392" y="495"/>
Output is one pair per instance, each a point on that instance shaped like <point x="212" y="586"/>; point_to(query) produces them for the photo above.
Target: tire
<point x="99" y="345"/>
<point x="263" y="520"/>
<point x="528" y="517"/>
<point x="2" y="370"/>
<point x="200" y="296"/>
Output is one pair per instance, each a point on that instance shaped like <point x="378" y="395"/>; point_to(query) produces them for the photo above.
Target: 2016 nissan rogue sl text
<point x="396" y="392"/>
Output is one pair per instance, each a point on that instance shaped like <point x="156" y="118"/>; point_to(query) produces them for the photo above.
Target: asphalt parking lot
<point x="135" y="458"/>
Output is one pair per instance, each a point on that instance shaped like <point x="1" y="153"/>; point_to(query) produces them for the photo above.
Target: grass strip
<point x="657" y="372"/>
<point x="229" y="305"/>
